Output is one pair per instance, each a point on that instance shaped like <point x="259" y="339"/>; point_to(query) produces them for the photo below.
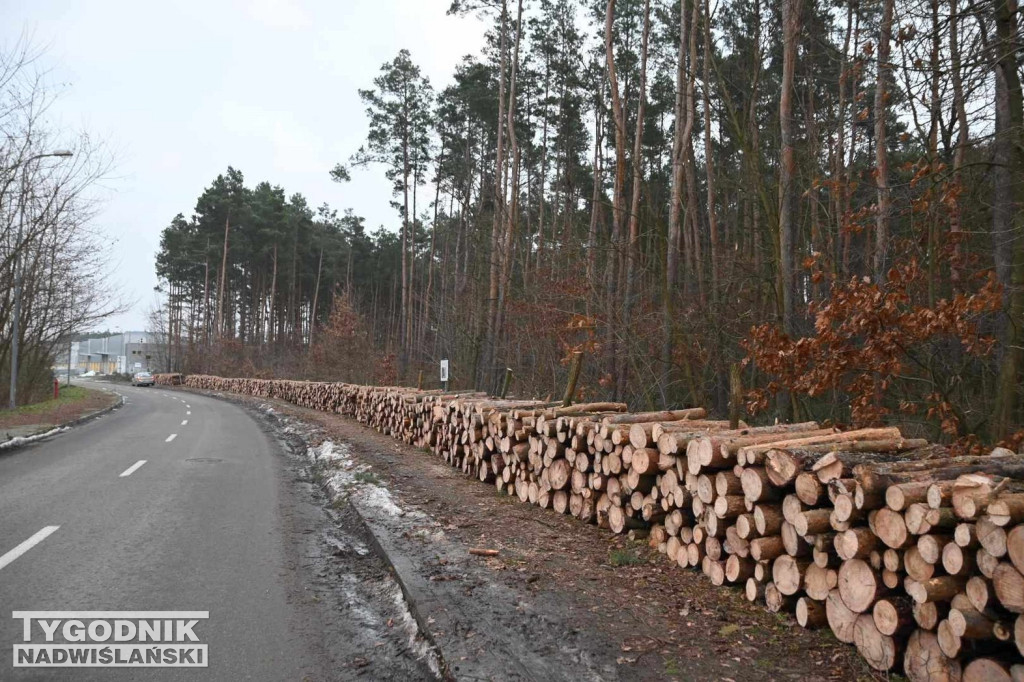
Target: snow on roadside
<point x="346" y="478"/>
<point x="417" y="642"/>
<point x="23" y="440"/>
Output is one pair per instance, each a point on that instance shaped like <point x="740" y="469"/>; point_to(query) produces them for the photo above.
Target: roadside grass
<point x="68" y="395"/>
<point x="74" y="401"/>
<point x="624" y="557"/>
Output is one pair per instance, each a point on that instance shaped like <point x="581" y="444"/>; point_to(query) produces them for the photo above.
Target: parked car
<point x="143" y="379"/>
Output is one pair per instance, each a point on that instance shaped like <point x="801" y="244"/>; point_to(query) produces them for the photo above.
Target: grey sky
<point x="180" y="90"/>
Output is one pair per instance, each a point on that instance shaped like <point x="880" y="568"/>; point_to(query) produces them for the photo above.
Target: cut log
<point x="811" y="614"/>
<point x="940" y="588"/>
<point x="957" y="561"/>
<point x="788" y="573"/>
<point x="809" y="489"/>
<point x="925" y="662"/>
<point x="755" y="454"/>
<point x="891" y="528"/>
<point x="768" y="520"/>
<point x="785" y="464"/>
<point x="660" y="416"/>
<point x="860" y="586"/>
<point x="775" y="601"/>
<point x="812" y="522"/>
<point x="881" y="652"/>
<point x="987" y="670"/>
<point x="1006" y="509"/>
<point x="840" y="618"/>
<point x="894" y="615"/>
<point x="1015" y="547"/>
<point x="1009" y="587"/>
<point x="818" y="582"/>
<point x="856" y="543"/>
<point x="991" y="537"/>
<point x="767" y="548"/>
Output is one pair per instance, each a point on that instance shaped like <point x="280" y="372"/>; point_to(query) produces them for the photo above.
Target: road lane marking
<point x="27" y="545"/>
<point x="171" y="437"/>
<point x="184" y="421"/>
<point x="187" y="406"/>
<point x="132" y="469"/>
<point x="188" y="411"/>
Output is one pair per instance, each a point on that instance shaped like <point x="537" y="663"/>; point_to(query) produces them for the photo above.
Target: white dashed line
<point x="188" y="412"/>
<point x="171" y="437"/>
<point x="184" y="421"/>
<point x="188" y="406"/>
<point x="133" y="468"/>
<point x="27" y="545"/>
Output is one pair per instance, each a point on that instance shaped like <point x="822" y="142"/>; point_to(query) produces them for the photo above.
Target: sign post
<point x="444" y="373"/>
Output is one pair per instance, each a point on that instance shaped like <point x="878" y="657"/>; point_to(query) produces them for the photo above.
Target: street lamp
<point x="63" y="153"/>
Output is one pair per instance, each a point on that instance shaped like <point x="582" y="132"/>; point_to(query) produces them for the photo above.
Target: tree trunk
<point x="787" y="163"/>
<point x="633" y="247"/>
<point x="1008" y="390"/>
<point x="490" y="333"/>
<point x="881" y="146"/>
<point x="675" y="209"/>
<point x="618" y="212"/>
<point x="223" y="274"/>
<point x="709" y="153"/>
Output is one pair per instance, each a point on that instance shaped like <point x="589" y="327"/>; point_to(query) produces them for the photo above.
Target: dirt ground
<point x="663" y="622"/>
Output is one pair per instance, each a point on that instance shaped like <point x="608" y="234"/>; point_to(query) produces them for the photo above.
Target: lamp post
<point x="63" y="153"/>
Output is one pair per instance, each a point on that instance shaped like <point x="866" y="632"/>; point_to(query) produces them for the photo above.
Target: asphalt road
<point x="197" y="527"/>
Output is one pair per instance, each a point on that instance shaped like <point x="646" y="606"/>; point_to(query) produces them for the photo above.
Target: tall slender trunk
<point x="963" y="131"/>
<point x="273" y="298"/>
<point x="430" y="261"/>
<point x="839" y="157"/>
<point x="673" y="246"/>
<point x="633" y="248"/>
<point x="618" y="212"/>
<point x="316" y="296"/>
<point x="490" y="330"/>
<point x="595" y="203"/>
<point x="223" y="273"/>
<point x="787" y="162"/>
<point x="709" y="152"/>
<point x="689" y="162"/>
<point x="508" y="241"/>
<point x="543" y="166"/>
<point x="206" y="296"/>
<point x="1008" y="393"/>
<point x="881" y="146"/>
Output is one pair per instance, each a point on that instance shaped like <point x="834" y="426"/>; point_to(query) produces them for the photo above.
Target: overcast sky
<point x="180" y="90"/>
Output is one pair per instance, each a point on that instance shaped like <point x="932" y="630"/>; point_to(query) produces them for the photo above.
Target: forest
<point x="817" y="205"/>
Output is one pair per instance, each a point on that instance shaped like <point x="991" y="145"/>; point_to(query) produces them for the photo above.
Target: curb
<point x="20" y="441"/>
<point x="422" y="620"/>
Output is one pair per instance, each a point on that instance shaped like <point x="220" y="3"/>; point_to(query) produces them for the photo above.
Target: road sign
<point x="138" y="365"/>
<point x="444" y="370"/>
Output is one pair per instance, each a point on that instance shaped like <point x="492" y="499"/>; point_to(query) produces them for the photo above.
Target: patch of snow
<point x="347" y="544"/>
<point x="380" y="498"/>
<point x="23" y="440"/>
<point x="331" y="453"/>
<point x="417" y="642"/>
<point x="355" y="601"/>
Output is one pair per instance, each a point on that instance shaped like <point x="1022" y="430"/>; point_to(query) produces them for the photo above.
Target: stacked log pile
<point x="914" y="556"/>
